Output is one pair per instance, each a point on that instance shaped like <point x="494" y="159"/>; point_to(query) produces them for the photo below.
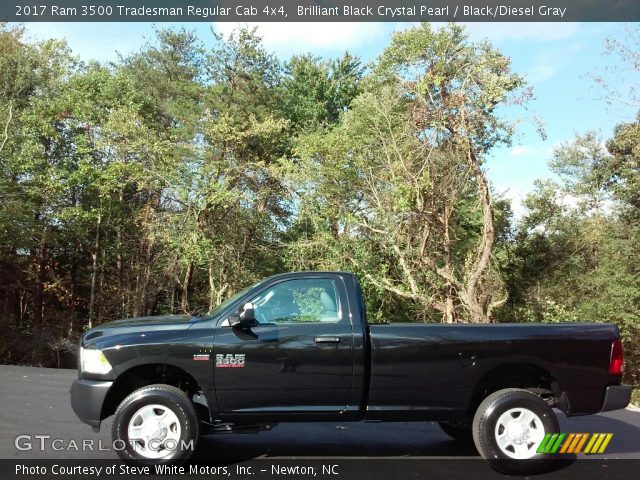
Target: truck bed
<point x="436" y="368"/>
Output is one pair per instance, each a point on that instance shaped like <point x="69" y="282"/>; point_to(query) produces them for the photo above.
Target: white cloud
<point x="295" y="37"/>
<point x="547" y="63"/>
<point x="522" y="151"/>
<point x="541" y="32"/>
<point x="517" y="202"/>
<point x="541" y="71"/>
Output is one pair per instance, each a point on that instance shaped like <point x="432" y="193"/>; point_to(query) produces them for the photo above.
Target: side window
<point x="298" y="301"/>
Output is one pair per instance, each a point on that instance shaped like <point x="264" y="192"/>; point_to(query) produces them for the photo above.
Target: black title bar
<point x="320" y="10"/>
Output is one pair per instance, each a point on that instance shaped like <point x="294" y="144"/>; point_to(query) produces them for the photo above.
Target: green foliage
<point x="622" y="168"/>
<point x="315" y="92"/>
<point x="309" y="304"/>
<point x="459" y="83"/>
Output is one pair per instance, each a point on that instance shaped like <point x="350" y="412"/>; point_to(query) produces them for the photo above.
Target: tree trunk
<point x="173" y="297"/>
<point x="5" y="133"/>
<point x="449" y="310"/>
<point x="212" y="287"/>
<point x="144" y="294"/>
<point x="483" y="254"/>
<point x="38" y="295"/>
<point x="142" y="280"/>
<point x="94" y="272"/>
<point x="184" y="300"/>
<point x="216" y="295"/>
<point x="119" y="267"/>
<point x="120" y="263"/>
<point x="73" y="274"/>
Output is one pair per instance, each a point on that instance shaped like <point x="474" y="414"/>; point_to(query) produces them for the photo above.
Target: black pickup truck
<point x="297" y="347"/>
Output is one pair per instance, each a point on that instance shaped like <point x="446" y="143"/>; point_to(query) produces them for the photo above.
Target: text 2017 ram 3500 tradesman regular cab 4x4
<point x="297" y="347"/>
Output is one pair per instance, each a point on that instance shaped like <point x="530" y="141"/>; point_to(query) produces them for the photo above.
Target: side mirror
<point x="245" y="317"/>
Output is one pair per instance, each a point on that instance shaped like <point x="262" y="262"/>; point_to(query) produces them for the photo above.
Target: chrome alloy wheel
<point x="154" y="431"/>
<point x="518" y="433"/>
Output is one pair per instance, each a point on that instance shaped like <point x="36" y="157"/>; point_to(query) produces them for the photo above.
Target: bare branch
<point x="387" y="286"/>
<point x="496" y="304"/>
<point x="406" y="270"/>
<point x="6" y="126"/>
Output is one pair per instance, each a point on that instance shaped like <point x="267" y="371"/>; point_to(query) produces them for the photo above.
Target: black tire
<point x="169" y="398"/>
<point x="485" y="433"/>
<point x="459" y="431"/>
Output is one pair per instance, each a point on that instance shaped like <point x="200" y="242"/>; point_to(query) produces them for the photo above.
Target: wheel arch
<point x="525" y="375"/>
<point x="142" y="375"/>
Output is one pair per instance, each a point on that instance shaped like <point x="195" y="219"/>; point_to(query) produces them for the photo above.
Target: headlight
<point x="94" y="361"/>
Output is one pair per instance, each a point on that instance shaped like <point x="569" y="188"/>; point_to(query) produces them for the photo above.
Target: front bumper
<point x="616" y="397"/>
<point x="87" y="397"/>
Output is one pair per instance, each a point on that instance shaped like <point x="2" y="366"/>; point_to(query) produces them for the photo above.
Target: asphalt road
<point x="35" y="401"/>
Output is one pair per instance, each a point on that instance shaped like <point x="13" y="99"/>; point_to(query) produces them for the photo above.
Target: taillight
<point x="617" y="359"/>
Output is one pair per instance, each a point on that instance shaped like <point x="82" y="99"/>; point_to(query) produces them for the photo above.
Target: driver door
<point x="298" y="358"/>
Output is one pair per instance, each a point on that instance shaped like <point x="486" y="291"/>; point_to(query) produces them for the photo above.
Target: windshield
<point x="202" y="312"/>
<point x="229" y="301"/>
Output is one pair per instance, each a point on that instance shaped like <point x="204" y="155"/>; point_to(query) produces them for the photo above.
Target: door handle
<point x="327" y="339"/>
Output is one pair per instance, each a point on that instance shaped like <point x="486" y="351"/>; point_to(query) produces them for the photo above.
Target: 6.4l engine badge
<point x="230" y="360"/>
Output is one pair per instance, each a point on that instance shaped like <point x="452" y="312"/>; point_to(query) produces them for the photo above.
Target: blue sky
<point x="555" y="58"/>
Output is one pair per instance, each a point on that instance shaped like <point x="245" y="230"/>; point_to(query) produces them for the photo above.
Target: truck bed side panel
<point x="433" y="370"/>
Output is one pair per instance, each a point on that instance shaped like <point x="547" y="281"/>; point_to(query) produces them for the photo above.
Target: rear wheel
<point x="508" y="428"/>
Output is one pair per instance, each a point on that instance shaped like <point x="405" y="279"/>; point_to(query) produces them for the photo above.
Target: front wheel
<point x="155" y="424"/>
<point x="508" y="428"/>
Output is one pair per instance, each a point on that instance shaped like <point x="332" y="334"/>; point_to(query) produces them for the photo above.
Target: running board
<point x="218" y="427"/>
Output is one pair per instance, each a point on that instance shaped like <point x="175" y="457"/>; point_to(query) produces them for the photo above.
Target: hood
<point x="150" y="320"/>
<point x="126" y="327"/>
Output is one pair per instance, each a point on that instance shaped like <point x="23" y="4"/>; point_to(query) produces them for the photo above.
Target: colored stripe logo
<point x="573" y="443"/>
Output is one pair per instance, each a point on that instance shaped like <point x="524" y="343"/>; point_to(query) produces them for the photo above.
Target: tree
<point x="29" y="191"/>
<point x="241" y="199"/>
<point x="622" y="168"/>
<point x="315" y="92"/>
<point x="169" y="72"/>
<point x="412" y="148"/>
